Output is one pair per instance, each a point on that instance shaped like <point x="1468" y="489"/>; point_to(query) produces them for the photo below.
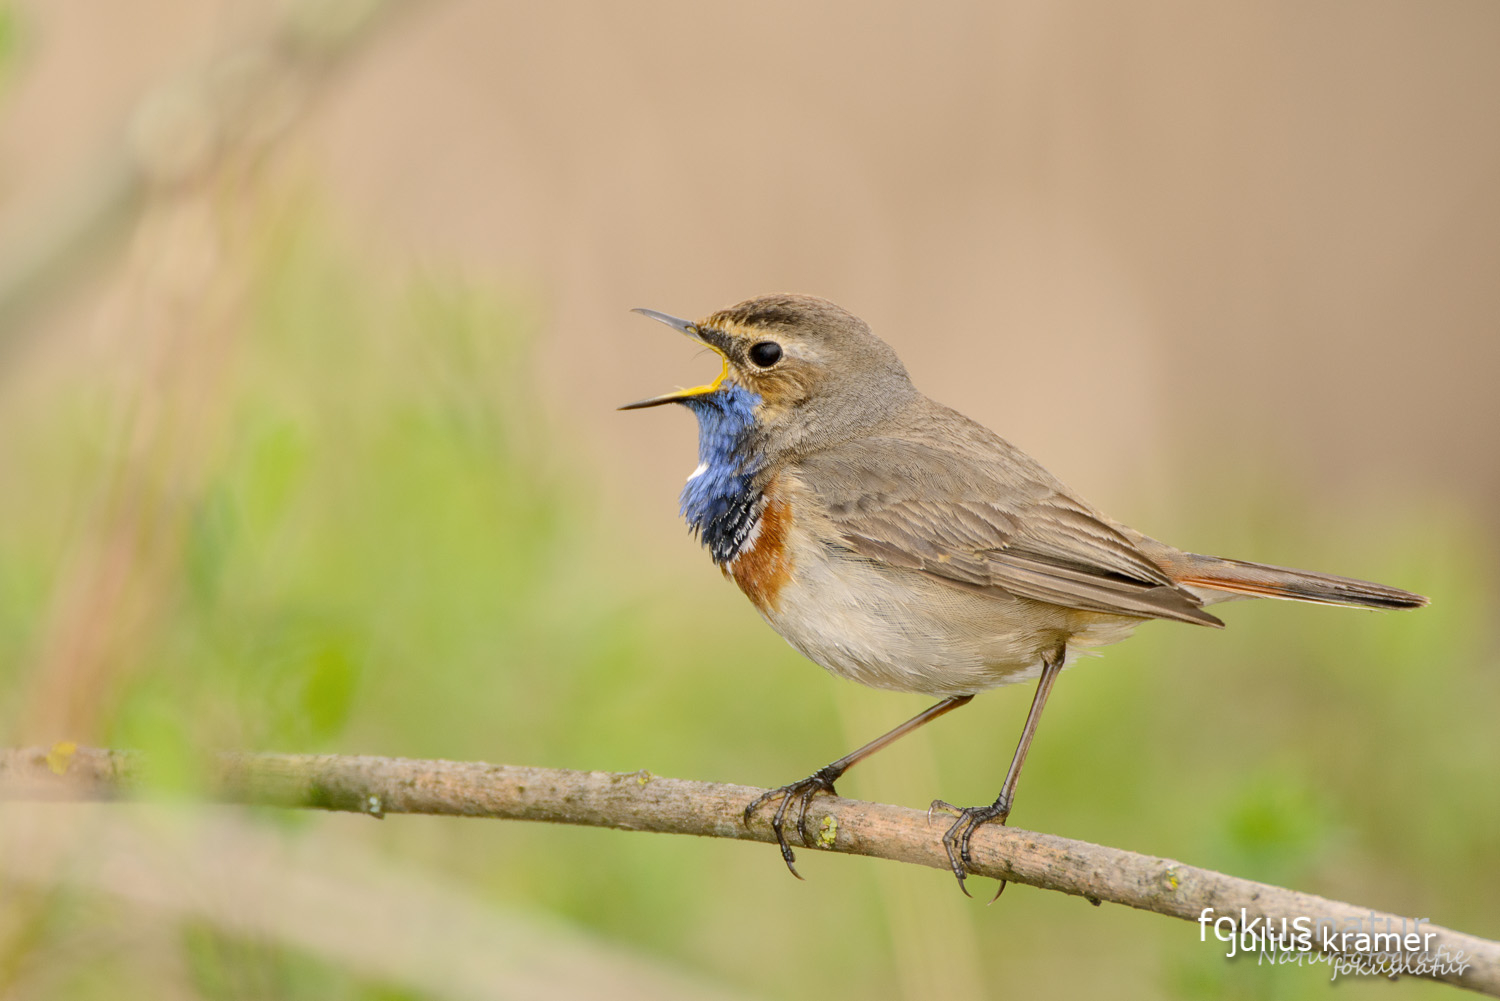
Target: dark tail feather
<point x="1262" y="581"/>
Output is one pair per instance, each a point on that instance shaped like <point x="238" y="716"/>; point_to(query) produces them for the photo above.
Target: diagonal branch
<point x="237" y="107"/>
<point x="641" y="801"/>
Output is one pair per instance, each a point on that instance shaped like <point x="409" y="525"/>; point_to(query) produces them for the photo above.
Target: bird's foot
<point x="801" y="793"/>
<point x="956" y="838"/>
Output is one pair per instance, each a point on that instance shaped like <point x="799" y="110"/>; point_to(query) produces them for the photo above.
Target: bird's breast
<point x="763" y="565"/>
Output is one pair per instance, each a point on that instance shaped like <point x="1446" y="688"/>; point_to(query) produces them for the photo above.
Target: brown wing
<point x="981" y="514"/>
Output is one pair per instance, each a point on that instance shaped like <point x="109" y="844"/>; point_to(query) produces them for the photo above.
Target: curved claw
<point x="945" y="806"/>
<point x="803" y="791"/>
<point x="956" y="839"/>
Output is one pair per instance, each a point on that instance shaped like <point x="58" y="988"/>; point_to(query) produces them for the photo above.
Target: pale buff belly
<point x="901" y="629"/>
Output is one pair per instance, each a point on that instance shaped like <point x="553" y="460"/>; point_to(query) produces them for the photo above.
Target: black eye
<point x="765" y="353"/>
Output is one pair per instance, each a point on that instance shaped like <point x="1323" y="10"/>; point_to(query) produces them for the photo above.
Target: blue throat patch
<point x="722" y="502"/>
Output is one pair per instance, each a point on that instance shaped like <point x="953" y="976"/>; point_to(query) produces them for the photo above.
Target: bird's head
<point x="807" y="370"/>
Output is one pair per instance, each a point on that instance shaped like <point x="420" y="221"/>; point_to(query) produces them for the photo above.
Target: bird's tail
<point x="1259" y="580"/>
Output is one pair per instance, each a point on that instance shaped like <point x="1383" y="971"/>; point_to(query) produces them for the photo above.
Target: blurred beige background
<point x="1121" y="235"/>
<point x="316" y="450"/>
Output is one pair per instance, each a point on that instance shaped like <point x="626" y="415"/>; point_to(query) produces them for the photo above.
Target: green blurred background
<point x="312" y="323"/>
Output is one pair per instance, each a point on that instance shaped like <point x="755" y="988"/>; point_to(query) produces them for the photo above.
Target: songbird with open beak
<point x="899" y="544"/>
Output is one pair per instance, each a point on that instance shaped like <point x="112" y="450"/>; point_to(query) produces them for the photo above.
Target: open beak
<point x="702" y="336"/>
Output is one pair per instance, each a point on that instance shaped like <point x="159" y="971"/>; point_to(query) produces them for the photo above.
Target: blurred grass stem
<point x="234" y="110"/>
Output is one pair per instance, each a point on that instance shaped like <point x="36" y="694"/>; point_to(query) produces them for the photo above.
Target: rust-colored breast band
<point x="764" y="566"/>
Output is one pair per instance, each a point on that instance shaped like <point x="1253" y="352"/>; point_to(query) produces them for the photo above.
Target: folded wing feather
<point x="1003" y="523"/>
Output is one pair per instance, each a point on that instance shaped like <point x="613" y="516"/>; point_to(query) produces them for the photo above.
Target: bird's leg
<point x="823" y="779"/>
<point x="956" y="840"/>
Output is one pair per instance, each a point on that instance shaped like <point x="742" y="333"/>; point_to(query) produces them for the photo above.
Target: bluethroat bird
<point x="899" y="544"/>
